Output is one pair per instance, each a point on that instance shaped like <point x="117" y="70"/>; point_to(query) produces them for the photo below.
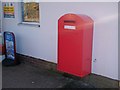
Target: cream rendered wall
<point x="42" y="42"/>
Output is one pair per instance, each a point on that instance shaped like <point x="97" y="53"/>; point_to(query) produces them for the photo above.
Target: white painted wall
<point x="42" y="42"/>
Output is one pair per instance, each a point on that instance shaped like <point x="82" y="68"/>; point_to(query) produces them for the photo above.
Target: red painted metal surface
<point x="75" y="35"/>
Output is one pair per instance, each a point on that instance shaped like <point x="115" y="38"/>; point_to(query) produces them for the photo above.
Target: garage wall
<point x="41" y="42"/>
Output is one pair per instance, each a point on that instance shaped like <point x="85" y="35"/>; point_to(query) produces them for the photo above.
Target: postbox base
<point x="81" y="75"/>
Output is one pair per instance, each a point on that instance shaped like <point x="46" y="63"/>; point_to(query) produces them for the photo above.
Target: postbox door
<point x="70" y="47"/>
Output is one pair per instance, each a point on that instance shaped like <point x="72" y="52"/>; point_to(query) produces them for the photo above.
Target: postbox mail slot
<point x="69" y="21"/>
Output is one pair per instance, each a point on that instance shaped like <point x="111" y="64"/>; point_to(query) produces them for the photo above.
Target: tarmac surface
<point x="29" y="76"/>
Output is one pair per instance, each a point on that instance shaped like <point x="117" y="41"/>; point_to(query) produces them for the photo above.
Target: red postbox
<point x="75" y="36"/>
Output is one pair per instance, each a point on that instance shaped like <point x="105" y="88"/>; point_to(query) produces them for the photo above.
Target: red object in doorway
<point x="75" y="36"/>
<point x="2" y="49"/>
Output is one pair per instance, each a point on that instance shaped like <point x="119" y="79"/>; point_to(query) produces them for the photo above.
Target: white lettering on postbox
<point x="69" y="27"/>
